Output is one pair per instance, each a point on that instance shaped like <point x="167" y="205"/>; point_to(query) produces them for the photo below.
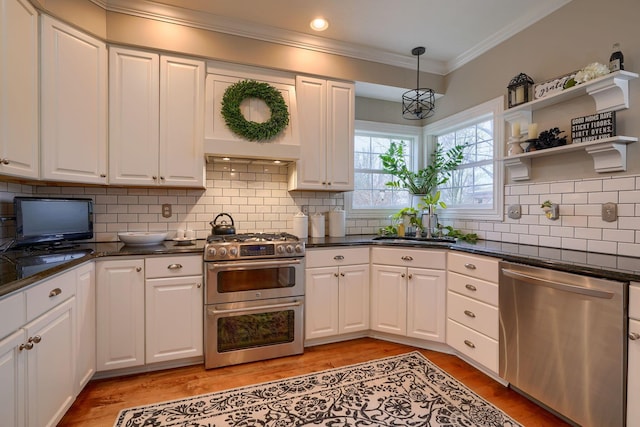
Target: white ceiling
<point x="453" y="31"/>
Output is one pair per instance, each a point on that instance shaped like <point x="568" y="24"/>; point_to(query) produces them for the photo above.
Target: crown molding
<point x="207" y="21"/>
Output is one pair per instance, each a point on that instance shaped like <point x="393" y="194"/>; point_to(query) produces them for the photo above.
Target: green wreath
<point x="254" y="131"/>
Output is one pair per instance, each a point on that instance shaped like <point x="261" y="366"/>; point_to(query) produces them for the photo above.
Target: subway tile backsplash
<point x="256" y="197"/>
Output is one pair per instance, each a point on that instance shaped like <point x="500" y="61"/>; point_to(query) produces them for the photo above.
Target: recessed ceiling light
<point x="319" y="24"/>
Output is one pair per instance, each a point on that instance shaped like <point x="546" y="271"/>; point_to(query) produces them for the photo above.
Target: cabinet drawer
<point x="477" y="266"/>
<point x="49" y="293"/>
<point x="336" y="257"/>
<point x="473" y="288"/>
<point x="634" y="301"/>
<point x="13" y="312"/>
<point x="420" y="258"/>
<point x="474" y="314"/>
<point x="171" y="266"/>
<point x="476" y="346"/>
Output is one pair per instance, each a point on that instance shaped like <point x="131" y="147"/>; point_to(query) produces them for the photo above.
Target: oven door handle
<point x="252" y="309"/>
<point x="252" y="264"/>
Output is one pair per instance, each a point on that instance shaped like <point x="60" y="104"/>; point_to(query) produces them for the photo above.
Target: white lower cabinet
<point x="633" y="359"/>
<point x="148" y="310"/>
<point x="38" y="359"/>
<point x="337" y="292"/>
<point x="119" y="313"/>
<point x="408" y="292"/>
<point x="173" y="308"/>
<point x="472" y="307"/>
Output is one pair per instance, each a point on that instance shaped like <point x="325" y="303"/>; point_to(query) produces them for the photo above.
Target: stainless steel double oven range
<point x="254" y="297"/>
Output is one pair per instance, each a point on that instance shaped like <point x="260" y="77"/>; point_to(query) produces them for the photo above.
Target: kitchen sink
<point x="412" y="239"/>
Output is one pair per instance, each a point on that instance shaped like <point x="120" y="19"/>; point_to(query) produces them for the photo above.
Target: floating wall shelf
<point x="609" y="155"/>
<point x="610" y="92"/>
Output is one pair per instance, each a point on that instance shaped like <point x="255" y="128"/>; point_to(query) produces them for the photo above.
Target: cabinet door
<point x="134" y="107"/>
<point x="354" y="298"/>
<point x="74" y="105"/>
<point x="321" y="302"/>
<point x="86" y="325"/>
<point x="389" y="299"/>
<point x="12" y="380"/>
<point x="340" y="135"/>
<point x="426" y="304"/>
<point x="119" y="314"/>
<point x="181" y="122"/>
<point x="174" y="318"/>
<point x="51" y="365"/>
<point x="633" y="375"/>
<point x="19" y="103"/>
<point x="312" y="109"/>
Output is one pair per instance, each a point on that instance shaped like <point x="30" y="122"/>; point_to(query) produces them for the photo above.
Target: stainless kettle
<point x="223" y="227"/>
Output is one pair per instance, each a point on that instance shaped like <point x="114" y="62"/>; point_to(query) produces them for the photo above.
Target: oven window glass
<point x="254" y="279"/>
<point x="255" y="330"/>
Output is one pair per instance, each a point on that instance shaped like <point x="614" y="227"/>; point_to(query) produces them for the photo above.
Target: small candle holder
<point x="514" y="146"/>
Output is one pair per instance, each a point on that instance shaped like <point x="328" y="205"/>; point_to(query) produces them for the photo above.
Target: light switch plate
<point x="514" y="211"/>
<point x="609" y="212"/>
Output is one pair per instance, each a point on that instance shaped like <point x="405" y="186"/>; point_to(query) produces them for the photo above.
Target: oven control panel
<point x="231" y="251"/>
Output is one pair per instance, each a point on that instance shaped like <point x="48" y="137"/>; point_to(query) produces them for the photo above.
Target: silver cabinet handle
<point x="338" y="257"/>
<point x="199" y="285"/>
<point x="5" y="161"/>
<point x="103" y="175"/>
<point x="470" y="313"/>
<point x="26" y="346"/>
<point x="470" y="266"/>
<point x="342" y="274"/>
<point x="469" y="344"/>
<point x="633" y="336"/>
<point x="402" y="275"/>
<point x="407" y="258"/>
<point x="174" y="266"/>
<point x="410" y="276"/>
<point x="335" y="274"/>
<point x="138" y="269"/>
<point x="55" y="292"/>
<point x="36" y="339"/>
<point x="470" y="287"/>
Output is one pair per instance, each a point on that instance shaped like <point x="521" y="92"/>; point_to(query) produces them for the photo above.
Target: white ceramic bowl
<point x="142" y="237"/>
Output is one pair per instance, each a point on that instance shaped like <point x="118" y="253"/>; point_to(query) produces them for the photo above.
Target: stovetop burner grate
<point x="252" y="237"/>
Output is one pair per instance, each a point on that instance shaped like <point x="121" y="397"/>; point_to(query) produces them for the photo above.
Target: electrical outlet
<point x="514" y="211"/>
<point x="166" y="210"/>
<point x="304" y="209"/>
<point x="609" y="212"/>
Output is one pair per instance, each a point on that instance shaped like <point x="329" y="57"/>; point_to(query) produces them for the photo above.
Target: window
<point x="475" y="187"/>
<point x="371" y="195"/>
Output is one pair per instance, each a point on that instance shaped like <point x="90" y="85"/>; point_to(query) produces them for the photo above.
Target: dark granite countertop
<point x="21" y="268"/>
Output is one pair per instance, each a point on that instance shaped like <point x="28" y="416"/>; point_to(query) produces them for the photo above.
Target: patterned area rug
<point x="405" y="390"/>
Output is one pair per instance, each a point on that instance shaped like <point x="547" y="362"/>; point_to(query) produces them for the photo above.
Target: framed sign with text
<point x="593" y="127"/>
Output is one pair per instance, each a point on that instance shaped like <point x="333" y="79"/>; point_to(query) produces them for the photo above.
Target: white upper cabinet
<point x="19" y="117"/>
<point x="74" y="105"/>
<point x="327" y="114"/>
<point x="156" y="115"/>
<point x="222" y="141"/>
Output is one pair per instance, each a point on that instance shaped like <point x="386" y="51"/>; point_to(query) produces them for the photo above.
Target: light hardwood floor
<point x="100" y="402"/>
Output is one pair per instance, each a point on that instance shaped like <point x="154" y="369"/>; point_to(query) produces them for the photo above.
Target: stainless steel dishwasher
<point x="563" y="342"/>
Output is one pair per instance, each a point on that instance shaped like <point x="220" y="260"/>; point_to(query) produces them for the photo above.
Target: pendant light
<point x="419" y="103"/>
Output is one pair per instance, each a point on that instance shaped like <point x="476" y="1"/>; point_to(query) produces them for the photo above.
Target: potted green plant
<point x="426" y="180"/>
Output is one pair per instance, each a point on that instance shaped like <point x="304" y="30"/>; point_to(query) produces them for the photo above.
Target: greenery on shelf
<point x="425" y="180"/>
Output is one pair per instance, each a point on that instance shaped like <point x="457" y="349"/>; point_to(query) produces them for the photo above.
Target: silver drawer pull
<point x="469" y="344"/>
<point x="470" y="287"/>
<point x="470" y="313"/>
<point x="338" y="257"/>
<point x="407" y="258"/>
<point x="55" y="292"/>
<point x="633" y="336"/>
<point x="26" y="346"/>
<point x="174" y="266"/>
<point x="470" y="266"/>
<point x="35" y="339"/>
<point x="138" y="269"/>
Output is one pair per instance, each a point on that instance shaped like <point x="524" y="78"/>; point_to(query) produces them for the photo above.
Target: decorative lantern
<point x="519" y="89"/>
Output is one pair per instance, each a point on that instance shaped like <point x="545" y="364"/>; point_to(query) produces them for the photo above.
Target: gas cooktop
<point x="228" y="247"/>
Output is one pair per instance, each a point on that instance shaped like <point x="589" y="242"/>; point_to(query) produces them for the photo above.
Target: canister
<point x="317" y="225"/>
<point x="301" y="225"/>
<point x="337" y="223"/>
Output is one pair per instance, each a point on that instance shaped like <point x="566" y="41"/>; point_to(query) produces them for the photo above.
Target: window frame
<point x="459" y="120"/>
<point x="387" y="129"/>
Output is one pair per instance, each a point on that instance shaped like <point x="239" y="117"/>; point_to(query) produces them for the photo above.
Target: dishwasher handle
<point x="556" y="285"/>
